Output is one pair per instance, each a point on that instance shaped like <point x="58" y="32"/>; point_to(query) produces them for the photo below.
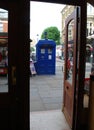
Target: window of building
<point x="1" y="27"/>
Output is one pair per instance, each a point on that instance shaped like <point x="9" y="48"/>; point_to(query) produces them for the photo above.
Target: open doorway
<point x="46" y="91"/>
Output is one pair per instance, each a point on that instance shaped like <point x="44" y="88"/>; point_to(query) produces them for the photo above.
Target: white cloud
<point x="43" y="15"/>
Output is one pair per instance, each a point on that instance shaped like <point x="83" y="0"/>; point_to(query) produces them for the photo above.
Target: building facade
<point x="3" y="20"/>
<point x="67" y="10"/>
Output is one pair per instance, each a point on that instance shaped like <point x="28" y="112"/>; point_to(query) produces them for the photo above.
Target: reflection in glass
<point x="89" y="64"/>
<point x="70" y="51"/>
<point x="3" y="50"/>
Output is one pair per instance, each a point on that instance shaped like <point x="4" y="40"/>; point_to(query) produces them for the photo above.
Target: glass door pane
<point x="70" y="50"/>
<point x="3" y="50"/>
<point x="89" y="64"/>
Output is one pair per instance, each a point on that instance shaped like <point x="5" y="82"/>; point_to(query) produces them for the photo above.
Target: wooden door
<point x="70" y="74"/>
<point x="14" y="88"/>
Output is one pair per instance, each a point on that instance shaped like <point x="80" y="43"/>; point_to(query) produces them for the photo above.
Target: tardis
<point x="46" y="57"/>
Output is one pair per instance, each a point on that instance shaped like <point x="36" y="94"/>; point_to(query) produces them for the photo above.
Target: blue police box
<point x="46" y="57"/>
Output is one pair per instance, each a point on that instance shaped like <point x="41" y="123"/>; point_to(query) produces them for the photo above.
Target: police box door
<point x="70" y="74"/>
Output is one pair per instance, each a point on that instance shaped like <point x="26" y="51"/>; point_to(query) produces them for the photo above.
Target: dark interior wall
<point x="19" y="57"/>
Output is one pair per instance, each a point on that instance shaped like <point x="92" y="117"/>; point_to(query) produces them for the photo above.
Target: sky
<point x="43" y="15"/>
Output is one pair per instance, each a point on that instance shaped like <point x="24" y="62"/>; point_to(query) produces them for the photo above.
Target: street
<point x="46" y="91"/>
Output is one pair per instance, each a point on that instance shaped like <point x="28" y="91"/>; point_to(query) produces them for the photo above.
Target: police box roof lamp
<point x="45" y="35"/>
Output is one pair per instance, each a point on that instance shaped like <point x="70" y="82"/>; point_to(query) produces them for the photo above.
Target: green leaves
<point x="52" y="33"/>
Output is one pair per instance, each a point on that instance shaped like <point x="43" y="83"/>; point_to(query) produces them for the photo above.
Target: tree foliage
<point x="32" y="49"/>
<point x="52" y="33"/>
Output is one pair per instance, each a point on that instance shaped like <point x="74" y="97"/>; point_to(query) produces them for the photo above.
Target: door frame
<point x="19" y="93"/>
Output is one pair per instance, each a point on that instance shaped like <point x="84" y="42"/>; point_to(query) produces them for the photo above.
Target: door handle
<point x="67" y="87"/>
<point x="13" y="75"/>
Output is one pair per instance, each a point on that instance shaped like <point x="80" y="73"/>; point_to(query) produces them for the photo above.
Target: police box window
<point x="50" y="50"/>
<point x="50" y="57"/>
<point x="42" y="51"/>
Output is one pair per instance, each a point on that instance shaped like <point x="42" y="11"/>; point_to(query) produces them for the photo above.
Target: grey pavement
<point x="46" y="91"/>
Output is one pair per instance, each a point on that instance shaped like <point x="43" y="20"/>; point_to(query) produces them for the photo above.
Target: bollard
<point x="91" y="103"/>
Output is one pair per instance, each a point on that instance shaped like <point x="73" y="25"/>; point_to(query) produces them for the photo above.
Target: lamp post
<point x="37" y="37"/>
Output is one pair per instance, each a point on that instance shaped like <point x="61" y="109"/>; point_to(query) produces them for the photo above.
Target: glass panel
<point x="3" y="50"/>
<point x="42" y="51"/>
<point x="50" y="51"/>
<point x="70" y="51"/>
<point x="49" y="57"/>
<point x="89" y="65"/>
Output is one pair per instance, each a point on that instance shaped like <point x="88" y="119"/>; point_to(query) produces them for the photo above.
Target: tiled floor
<point x="48" y="120"/>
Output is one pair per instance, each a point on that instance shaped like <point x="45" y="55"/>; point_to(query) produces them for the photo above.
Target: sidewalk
<point x="46" y="91"/>
<point x="48" y="120"/>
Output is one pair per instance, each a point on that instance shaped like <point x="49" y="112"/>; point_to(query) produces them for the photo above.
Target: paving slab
<point x="46" y="91"/>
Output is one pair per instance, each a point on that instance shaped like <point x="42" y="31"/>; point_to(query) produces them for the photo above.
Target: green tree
<point x="52" y="33"/>
<point x="32" y="49"/>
